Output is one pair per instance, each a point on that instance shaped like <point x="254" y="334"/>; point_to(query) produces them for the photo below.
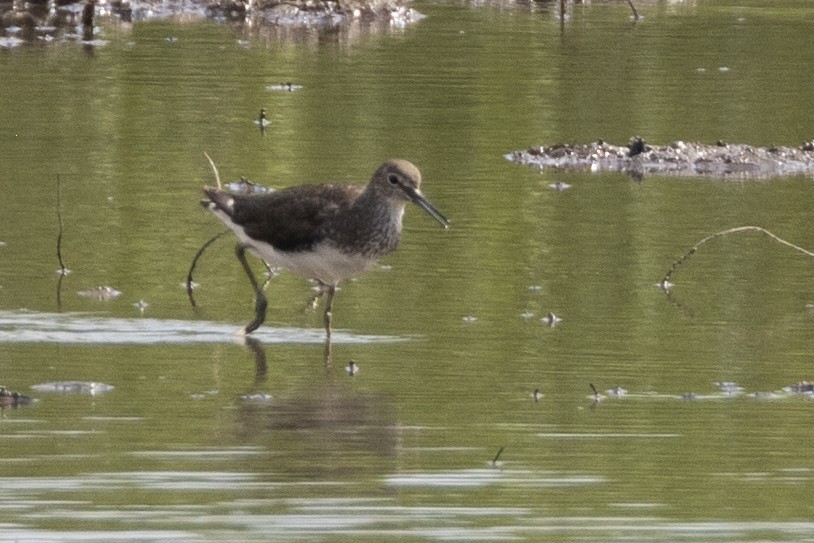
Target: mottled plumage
<point x="324" y="232"/>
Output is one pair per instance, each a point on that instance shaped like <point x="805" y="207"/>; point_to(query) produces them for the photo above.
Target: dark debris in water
<point x="679" y="158"/>
<point x="10" y="398"/>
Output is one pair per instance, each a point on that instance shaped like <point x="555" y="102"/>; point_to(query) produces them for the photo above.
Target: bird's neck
<point x="379" y="209"/>
<point x="377" y="222"/>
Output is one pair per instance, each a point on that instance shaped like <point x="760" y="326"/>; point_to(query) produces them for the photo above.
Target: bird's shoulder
<point x="293" y="218"/>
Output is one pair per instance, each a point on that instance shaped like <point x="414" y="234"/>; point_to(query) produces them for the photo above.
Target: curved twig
<point x="666" y="279"/>
<point x="214" y="169"/>
<point x="209" y="242"/>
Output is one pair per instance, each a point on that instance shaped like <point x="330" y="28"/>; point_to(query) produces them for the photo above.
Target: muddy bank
<point x="679" y="158"/>
<point x="44" y="21"/>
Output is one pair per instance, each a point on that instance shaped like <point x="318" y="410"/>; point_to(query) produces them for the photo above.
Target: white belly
<point x="323" y="262"/>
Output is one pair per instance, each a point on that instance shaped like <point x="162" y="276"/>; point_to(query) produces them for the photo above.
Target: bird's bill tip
<point x="433" y="212"/>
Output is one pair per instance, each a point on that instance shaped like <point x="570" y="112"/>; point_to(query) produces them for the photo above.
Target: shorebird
<point x="328" y="232"/>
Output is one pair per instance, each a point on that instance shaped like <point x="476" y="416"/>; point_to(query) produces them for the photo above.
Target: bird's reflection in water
<point x="325" y="429"/>
<point x="260" y="364"/>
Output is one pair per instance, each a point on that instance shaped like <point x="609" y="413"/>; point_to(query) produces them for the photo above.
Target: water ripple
<point x="90" y="328"/>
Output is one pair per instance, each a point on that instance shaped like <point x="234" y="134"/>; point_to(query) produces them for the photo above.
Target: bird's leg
<point x="329" y="302"/>
<point x="261" y="304"/>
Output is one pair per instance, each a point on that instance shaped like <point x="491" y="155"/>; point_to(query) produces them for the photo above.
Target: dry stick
<point x="214" y="169"/>
<point x="695" y="247"/>
<point x="494" y="463"/>
<point x="63" y="271"/>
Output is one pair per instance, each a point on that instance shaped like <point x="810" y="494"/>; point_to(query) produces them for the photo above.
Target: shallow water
<point x="204" y="438"/>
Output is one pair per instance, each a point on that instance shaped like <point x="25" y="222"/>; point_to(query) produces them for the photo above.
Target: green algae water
<point x="205" y="438"/>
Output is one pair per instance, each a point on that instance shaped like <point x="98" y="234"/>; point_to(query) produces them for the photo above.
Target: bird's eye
<point x="393" y="179"/>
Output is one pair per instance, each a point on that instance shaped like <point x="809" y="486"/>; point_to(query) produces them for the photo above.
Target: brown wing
<point x="292" y="219"/>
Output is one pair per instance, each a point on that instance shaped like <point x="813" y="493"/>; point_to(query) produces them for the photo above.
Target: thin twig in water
<point x="62" y="267"/>
<point x="596" y="392"/>
<point x="214" y="169"/>
<point x="666" y="279"/>
<point x="209" y="242"/>
<point x="494" y="462"/>
<point x="63" y="271"/>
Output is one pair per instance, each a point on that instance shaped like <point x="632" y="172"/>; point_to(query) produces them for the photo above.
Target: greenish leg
<point x="261" y="304"/>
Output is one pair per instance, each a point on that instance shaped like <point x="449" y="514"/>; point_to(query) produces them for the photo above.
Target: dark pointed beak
<point x="425" y="204"/>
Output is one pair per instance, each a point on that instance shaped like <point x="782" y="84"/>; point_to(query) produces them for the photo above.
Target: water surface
<point x="196" y="443"/>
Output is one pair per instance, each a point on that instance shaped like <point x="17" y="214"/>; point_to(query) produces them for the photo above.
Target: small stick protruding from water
<point x="63" y="271"/>
<point x="666" y="279"/>
<point x="597" y="399"/>
<point x="62" y="267"/>
<point x="214" y="169"/>
<point x="494" y="463"/>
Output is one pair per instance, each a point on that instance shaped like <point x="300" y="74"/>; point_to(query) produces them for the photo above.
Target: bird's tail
<point x="218" y="200"/>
